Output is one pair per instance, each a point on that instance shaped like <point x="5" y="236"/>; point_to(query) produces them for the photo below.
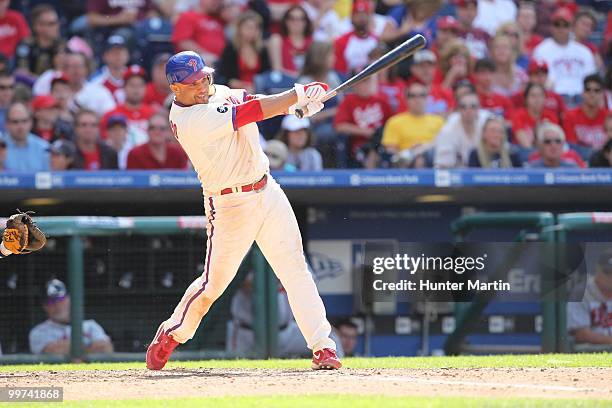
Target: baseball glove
<point x="21" y="235"/>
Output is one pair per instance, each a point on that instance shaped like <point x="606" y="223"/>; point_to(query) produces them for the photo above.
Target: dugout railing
<point x="545" y="227"/>
<point x="78" y="235"/>
<point x="540" y="223"/>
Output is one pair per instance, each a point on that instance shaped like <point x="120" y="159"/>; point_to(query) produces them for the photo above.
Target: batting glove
<point x="309" y="110"/>
<point x="314" y="91"/>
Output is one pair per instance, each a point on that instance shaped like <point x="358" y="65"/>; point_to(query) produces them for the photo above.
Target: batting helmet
<point x="186" y="67"/>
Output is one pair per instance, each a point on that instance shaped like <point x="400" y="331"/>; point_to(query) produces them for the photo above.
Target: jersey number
<point x="174" y="129"/>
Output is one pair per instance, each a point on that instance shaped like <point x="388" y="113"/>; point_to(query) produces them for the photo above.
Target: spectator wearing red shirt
<point x="527" y="21"/>
<point x="115" y="57"/>
<point x="584" y="125"/>
<point x="158" y="152"/>
<point x="525" y="121"/>
<point x="287" y="49"/>
<point x="201" y="31"/>
<point x="483" y="78"/>
<point x="157" y="89"/>
<point x="134" y="108"/>
<point x="475" y="38"/>
<point x="553" y="102"/>
<point x="92" y="154"/>
<point x="361" y="113"/>
<point x="439" y="100"/>
<point x="245" y="56"/>
<point x="352" y="48"/>
<point x="13" y="29"/>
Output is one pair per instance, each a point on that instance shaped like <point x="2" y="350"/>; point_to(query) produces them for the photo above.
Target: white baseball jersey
<point x="225" y="151"/>
<point x="222" y="155"/>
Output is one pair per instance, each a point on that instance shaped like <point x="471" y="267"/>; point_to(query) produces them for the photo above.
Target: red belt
<point x="256" y="186"/>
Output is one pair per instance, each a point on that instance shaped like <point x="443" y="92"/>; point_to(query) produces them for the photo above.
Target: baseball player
<point x="21" y="235"/>
<point x="216" y="127"/>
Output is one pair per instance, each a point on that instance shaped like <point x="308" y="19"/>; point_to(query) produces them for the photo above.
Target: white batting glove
<point x="314" y="91"/>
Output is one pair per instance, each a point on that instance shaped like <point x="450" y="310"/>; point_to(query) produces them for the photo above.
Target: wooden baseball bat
<point x="399" y="53"/>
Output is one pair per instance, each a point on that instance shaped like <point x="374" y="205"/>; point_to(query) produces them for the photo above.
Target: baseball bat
<point x="399" y="53"/>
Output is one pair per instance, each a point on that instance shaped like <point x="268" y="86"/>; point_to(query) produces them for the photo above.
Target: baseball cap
<point x="447" y="23"/>
<point x="186" y="67"/>
<point x="537" y="66"/>
<point x="362" y="6"/>
<point x="562" y="13"/>
<point x="115" y="41"/>
<point x="61" y="146"/>
<point x="293" y="123"/>
<point x="134" y="70"/>
<point x="116" y="119"/>
<point x="54" y="291"/>
<point x="43" y="102"/>
<point x="424" y="56"/>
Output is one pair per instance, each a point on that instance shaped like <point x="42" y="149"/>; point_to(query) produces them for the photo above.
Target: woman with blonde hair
<point x="455" y="64"/>
<point x="245" y="56"/>
<point x="508" y="78"/>
<point x="493" y="150"/>
<point x="514" y="32"/>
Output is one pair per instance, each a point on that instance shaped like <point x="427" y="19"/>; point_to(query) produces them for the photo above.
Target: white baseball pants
<point x="234" y="222"/>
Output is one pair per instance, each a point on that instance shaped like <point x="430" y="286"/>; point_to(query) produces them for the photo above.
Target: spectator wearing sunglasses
<point x="584" y="125"/>
<point x="551" y="144"/>
<point x="569" y="62"/>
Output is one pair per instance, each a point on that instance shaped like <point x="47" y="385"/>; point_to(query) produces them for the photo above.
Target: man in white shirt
<point x="590" y="320"/>
<point x="53" y="335"/>
<point x="493" y="13"/>
<point x="569" y="62"/>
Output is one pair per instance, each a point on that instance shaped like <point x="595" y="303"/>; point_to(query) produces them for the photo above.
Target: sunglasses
<point x="595" y="90"/>
<point x="551" y="141"/>
<point x="18" y="121"/>
<point x="416" y="95"/>
<point x="160" y="128"/>
<point x="561" y="24"/>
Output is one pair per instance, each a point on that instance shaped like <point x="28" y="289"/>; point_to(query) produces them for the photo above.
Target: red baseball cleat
<point x="160" y="349"/>
<point x="325" y="359"/>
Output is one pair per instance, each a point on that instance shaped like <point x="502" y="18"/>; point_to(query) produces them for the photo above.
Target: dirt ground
<point x="202" y="382"/>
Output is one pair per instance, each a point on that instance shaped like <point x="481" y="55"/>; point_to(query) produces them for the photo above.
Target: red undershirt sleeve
<point x="245" y="113"/>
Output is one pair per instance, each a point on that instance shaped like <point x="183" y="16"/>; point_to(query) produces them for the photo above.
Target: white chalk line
<point x="479" y="384"/>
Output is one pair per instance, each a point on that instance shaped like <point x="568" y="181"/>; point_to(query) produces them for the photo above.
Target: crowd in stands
<point x="501" y="84"/>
